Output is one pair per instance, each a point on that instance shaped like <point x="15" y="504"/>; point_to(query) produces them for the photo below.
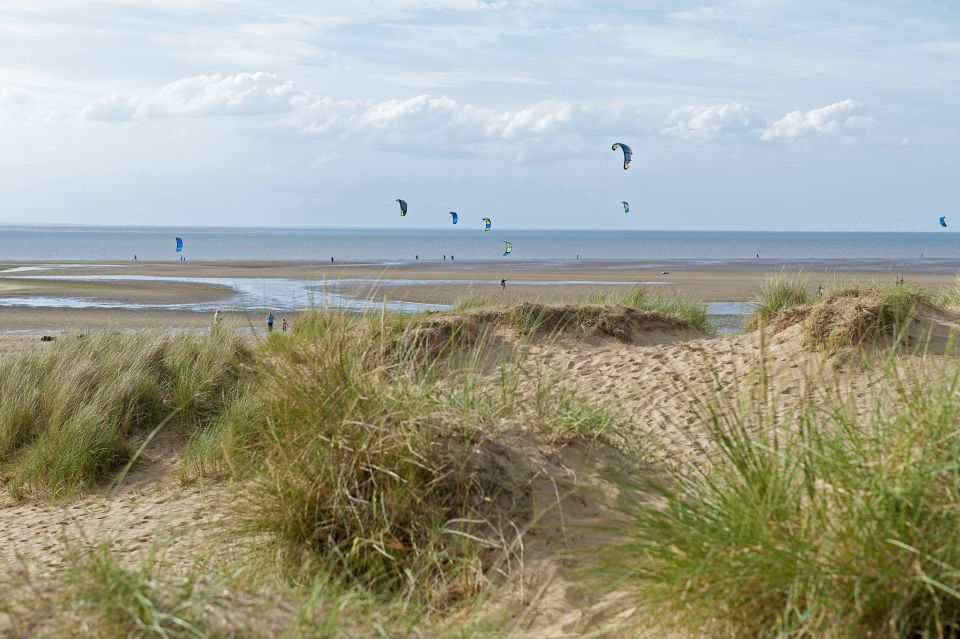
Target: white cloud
<point x="114" y="108"/>
<point x="214" y="95"/>
<point x="710" y="121"/>
<point x="204" y="96"/>
<point x="15" y="99"/>
<point x="847" y="117"/>
<point x="442" y="125"/>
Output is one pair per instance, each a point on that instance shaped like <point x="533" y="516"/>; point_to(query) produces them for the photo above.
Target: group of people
<point x="270" y="321"/>
<point x="283" y="323"/>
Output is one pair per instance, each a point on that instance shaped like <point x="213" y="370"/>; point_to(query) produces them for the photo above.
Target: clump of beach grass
<point x="853" y="316"/>
<point x="777" y="294"/>
<point x="100" y="592"/>
<point x="386" y="465"/>
<point x="673" y="304"/>
<point x="826" y="517"/>
<point x="73" y="415"/>
<point x="597" y="313"/>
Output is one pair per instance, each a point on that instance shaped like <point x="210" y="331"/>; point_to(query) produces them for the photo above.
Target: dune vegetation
<point x="824" y="517"/>
<point x="681" y="309"/>
<point x="417" y="475"/>
<point x="777" y="295"/>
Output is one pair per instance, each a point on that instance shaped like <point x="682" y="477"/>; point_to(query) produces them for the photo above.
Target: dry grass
<point x="383" y="463"/>
<point x="856" y="316"/>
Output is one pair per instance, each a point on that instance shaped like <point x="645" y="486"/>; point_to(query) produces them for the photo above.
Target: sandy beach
<point x="184" y="294"/>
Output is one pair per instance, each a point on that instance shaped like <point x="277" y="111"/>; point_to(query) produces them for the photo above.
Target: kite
<point x="487" y="224"/>
<point x="403" y="207"/>
<point x="454" y="216"/>
<point x="627" y="154"/>
<point x="626" y="207"/>
<point x="507" y="249"/>
<point x="179" y="244"/>
<point x="943" y="222"/>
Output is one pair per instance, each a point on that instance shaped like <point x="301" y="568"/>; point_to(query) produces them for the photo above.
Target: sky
<point x="742" y="114"/>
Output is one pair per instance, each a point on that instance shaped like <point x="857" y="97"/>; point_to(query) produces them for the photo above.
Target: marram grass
<point x="366" y="457"/>
<point x="72" y="415"/>
<point x="825" y="518"/>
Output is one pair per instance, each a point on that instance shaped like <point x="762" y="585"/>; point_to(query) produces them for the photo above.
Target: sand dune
<point x="658" y="381"/>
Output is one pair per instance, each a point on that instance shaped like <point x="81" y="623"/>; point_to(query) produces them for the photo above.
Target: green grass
<point x="383" y="464"/>
<point x="72" y="415"/>
<point x="817" y="519"/>
<point x="853" y="316"/>
<point x="669" y="303"/>
<point x="950" y="296"/>
<point x="778" y="294"/>
<point x="528" y="318"/>
<point x="98" y="592"/>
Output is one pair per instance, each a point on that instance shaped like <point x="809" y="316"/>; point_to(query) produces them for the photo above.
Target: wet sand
<point x="424" y="282"/>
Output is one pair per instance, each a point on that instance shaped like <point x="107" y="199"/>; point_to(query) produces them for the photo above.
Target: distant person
<point x="283" y="325"/>
<point x="819" y="291"/>
<point x="503" y="284"/>
<point x="331" y="260"/>
<point x="216" y="318"/>
<point x="444" y="258"/>
<point x="417" y="257"/>
<point x="135" y="257"/>
<point x="758" y="256"/>
<point x="269" y="322"/>
<point x="451" y="257"/>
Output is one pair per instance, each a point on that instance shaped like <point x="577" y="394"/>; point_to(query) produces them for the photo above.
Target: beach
<point x="42" y="297"/>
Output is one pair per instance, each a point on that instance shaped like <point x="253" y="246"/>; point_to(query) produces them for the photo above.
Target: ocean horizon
<point x="32" y="243"/>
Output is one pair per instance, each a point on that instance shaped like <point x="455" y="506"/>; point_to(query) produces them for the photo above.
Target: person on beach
<point x="503" y="284"/>
<point x="819" y="291"/>
<point x="216" y="318"/>
<point x="331" y="260"/>
<point x="451" y="257"/>
<point x="417" y="257"/>
<point x="270" y="322"/>
<point x="283" y="325"/>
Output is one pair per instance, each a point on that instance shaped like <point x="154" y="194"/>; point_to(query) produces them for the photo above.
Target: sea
<point x="697" y="248"/>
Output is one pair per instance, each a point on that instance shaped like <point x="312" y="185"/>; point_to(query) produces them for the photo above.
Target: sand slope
<point x="657" y="382"/>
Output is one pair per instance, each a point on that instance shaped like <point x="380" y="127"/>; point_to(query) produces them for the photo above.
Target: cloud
<point x="15" y="99"/>
<point x="243" y="94"/>
<point x="114" y="108"/>
<point x="440" y="125"/>
<point x="847" y="117"/>
<point x="712" y="121"/>
<point x="427" y="123"/>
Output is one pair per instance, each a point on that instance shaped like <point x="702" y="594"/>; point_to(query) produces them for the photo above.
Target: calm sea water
<point x="59" y="243"/>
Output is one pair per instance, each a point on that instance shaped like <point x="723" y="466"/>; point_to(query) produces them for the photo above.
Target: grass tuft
<point x="777" y="294"/>
<point x="388" y="466"/>
<point x="853" y="316"/>
<point x="821" y="518"/>
<point x="71" y="416"/>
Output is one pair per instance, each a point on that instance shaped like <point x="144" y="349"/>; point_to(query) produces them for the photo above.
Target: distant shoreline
<point x="36" y="296"/>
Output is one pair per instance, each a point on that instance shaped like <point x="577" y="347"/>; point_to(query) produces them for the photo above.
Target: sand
<point x="657" y="383"/>
<point x="654" y="382"/>
<point x="426" y="282"/>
